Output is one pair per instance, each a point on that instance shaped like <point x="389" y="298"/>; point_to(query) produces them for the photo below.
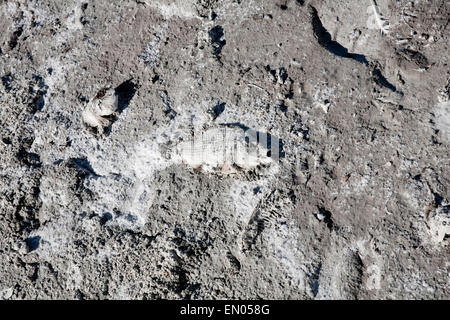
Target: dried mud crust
<point x="356" y="205"/>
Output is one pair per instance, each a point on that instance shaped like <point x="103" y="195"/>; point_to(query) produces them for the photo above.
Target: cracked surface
<point x="356" y="206"/>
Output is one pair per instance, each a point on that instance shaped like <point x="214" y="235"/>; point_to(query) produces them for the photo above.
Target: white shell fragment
<point x="320" y="216"/>
<point x="105" y="103"/>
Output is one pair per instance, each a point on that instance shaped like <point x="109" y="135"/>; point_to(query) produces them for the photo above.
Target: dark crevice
<point x="125" y="93"/>
<point x="30" y="159"/>
<point x="216" y="35"/>
<point x="40" y="81"/>
<point x="327" y="218"/>
<point x="13" y="41"/>
<point x="105" y="218"/>
<point x="217" y="110"/>
<point x="33" y="243"/>
<point x="80" y="295"/>
<point x="418" y="58"/>
<point x="6" y="81"/>
<point x="234" y="262"/>
<point x="6" y="140"/>
<point x="314" y="280"/>
<point x="380" y="80"/>
<point x="38" y="101"/>
<point x="437" y="199"/>
<point x="325" y="40"/>
<point x="283" y="7"/>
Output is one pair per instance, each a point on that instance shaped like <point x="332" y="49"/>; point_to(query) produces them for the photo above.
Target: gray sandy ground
<point x="356" y="92"/>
